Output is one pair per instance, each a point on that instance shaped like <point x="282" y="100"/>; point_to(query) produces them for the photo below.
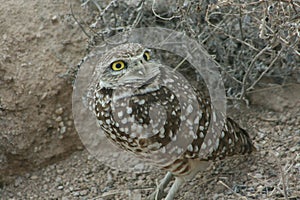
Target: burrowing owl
<point x="138" y="103"/>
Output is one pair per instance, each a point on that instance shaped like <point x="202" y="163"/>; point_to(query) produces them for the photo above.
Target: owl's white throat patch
<point x="122" y="93"/>
<point x="104" y="84"/>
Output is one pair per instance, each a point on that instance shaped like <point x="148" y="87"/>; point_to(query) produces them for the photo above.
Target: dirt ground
<point x="39" y="42"/>
<point x="42" y="157"/>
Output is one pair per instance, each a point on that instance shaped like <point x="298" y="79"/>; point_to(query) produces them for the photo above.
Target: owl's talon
<point x="159" y="193"/>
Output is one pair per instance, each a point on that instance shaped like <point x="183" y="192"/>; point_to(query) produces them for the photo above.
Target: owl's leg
<point x="159" y="192"/>
<point x="175" y="187"/>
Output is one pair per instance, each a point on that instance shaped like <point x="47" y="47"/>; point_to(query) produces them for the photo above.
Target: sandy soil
<point x="39" y="42"/>
<point x="262" y="175"/>
<point x="39" y="146"/>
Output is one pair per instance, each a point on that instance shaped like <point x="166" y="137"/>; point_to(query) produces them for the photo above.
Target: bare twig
<point x="270" y="88"/>
<point x="283" y="178"/>
<point x="79" y="24"/>
<point x="97" y="5"/>
<point x="228" y="35"/>
<point x="265" y="71"/>
<point x="160" y="17"/>
<point x="240" y="22"/>
<point x="251" y="66"/>
<point x="139" y="15"/>
<point x="236" y="194"/>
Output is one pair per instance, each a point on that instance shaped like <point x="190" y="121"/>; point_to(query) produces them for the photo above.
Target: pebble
<point x="94" y="190"/>
<point x="140" y="182"/>
<point x="60" y="171"/>
<point x="139" y="167"/>
<point x="79" y="147"/>
<point x="62" y="130"/>
<point x="18" y="181"/>
<point x="58" y="119"/>
<point x="45" y="187"/>
<point x="69" y="123"/>
<point x="260" y="188"/>
<point x="84" y="192"/>
<point x="295" y="148"/>
<point x="61" y="124"/>
<point x="59" y="111"/>
<point x="58" y="179"/>
<point x="76" y="194"/>
<point x="258" y="176"/>
<point x="34" y="177"/>
<point x="71" y="189"/>
<point x="60" y="187"/>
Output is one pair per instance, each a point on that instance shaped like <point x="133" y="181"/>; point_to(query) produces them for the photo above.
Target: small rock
<point x="295" y="148"/>
<point x="71" y="188"/>
<point x="18" y="181"/>
<point x="49" y="122"/>
<point x="60" y="187"/>
<point x="61" y="124"/>
<point x="259" y="188"/>
<point x="69" y="123"/>
<point x="94" y="190"/>
<point x="139" y="167"/>
<point x="79" y="147"/>
<point x="284" y="119"/>
<point x="261" y="134"/>
<point x="58" y="119"/>
<point x="35" y="149"/>
<point x="76" y="194"/>
<point x="84" y="192"/>
<point x="90" y="157"/>
<point x="24" y="65"/>
<point x="60" y="171"/>
<point x="140" y="182"/>
<point x="54" y="19"/>
<point x="58" y="179"/>
<point x="63" y="130"/>
<point x="59" y="111"/>
<point x="258" y="176"/>
<point x="34" y="177"/>
<point x="45" y="187"/>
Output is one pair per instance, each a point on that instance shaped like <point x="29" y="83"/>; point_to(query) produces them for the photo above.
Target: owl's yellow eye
<point x="146" y="55"/>
<point x="118" y="65"/>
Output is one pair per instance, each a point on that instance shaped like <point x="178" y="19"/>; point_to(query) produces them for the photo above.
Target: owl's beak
<point x="140" y="68"/>
<point x="141" y="73"/>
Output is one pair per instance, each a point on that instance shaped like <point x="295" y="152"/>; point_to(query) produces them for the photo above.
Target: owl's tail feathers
<point x="242" y="141"/>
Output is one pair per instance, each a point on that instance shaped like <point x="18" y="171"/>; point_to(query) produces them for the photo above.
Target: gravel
<point x="258" y="176"/>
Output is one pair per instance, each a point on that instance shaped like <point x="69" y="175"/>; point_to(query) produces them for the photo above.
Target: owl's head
<point x="128" y="65"/>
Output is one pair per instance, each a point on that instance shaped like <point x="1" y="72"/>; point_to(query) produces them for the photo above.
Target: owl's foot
<point x="179" y="181"/>
<point x="159" y="193"/>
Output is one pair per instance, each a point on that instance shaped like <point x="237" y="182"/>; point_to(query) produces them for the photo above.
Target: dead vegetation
<point x="251" y="40"/>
